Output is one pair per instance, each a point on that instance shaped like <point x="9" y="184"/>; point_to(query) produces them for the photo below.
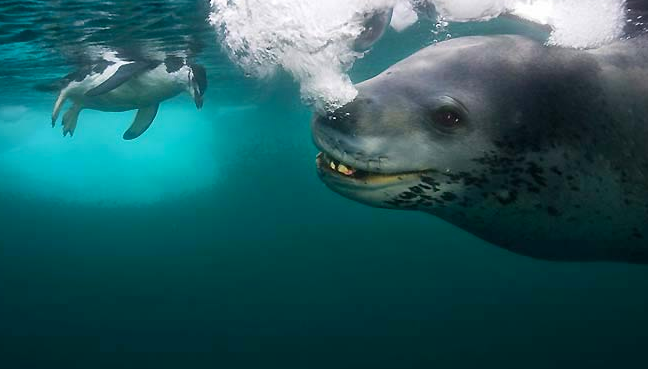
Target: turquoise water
<point x="209" y="242"/>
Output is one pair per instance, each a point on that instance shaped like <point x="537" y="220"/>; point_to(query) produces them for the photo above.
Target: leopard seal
<point x="540" y="150"/>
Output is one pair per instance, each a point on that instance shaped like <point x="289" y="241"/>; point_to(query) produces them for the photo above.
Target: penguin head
<point x="197" y="83"/>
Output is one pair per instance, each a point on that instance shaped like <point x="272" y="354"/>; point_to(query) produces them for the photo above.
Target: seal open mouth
<point x="327" y="163"/>
<point x="343" y="172"/>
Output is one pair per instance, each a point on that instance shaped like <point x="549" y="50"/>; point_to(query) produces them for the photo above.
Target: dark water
<point x="210" y="243"/>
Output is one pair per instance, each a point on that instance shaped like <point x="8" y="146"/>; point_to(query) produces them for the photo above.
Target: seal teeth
<point x="345" y="170"/>
<point x="336" y="166"/>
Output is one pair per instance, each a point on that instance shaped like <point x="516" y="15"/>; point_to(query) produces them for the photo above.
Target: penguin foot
<point x="69" y="129"/>
<point x="70" y="120"/>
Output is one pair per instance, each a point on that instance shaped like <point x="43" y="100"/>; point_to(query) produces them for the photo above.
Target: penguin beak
<point x="199" y="101"/>
<point x="193" y="90"/>
<point x="197" y="96"/>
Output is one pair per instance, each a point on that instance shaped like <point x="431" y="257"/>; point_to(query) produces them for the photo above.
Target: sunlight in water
<point x="96" y="165"/>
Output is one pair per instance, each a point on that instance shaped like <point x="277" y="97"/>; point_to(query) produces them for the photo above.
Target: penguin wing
<point x="142" y="122"/>
<point x="123" y="74"/>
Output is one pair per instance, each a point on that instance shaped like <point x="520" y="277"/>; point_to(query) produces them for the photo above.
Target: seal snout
<point x="348" y="119"/>
<point x="340" y="135"/>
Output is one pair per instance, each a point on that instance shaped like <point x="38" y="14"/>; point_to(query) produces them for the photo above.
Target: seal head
<point x="538" y="150"/>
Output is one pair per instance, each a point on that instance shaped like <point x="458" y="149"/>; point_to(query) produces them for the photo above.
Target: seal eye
<point x="448" y="117"/>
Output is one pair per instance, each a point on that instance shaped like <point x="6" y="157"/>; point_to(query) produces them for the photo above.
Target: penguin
<point x="116" y="85"/>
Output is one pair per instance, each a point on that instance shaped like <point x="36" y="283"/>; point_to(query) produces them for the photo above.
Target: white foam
<point x="404" y="16"/>
<point x="577" y="24"/>
<point x="313" y="39"/>
<point x="470" y="10"/>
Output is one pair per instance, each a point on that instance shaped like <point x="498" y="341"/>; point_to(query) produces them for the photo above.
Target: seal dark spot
<point x="536" y="173"/>
<point x="636" y="233"/>
<point x="416" y="189"/>
<point x="407" y="195"/>
<point x="448" y="196"/>
<point x="589" y="157"/>
<point x="506" y="197"/>
<point x="435" y="185"/>
<point x="553" y="211"/>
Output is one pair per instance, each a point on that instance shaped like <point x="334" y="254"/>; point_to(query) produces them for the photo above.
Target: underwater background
<point x="209" y="242"/>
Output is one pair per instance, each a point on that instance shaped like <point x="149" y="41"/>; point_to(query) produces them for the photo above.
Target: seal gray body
<point x="119" y="85"/>
<point x="543" y="151"/>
